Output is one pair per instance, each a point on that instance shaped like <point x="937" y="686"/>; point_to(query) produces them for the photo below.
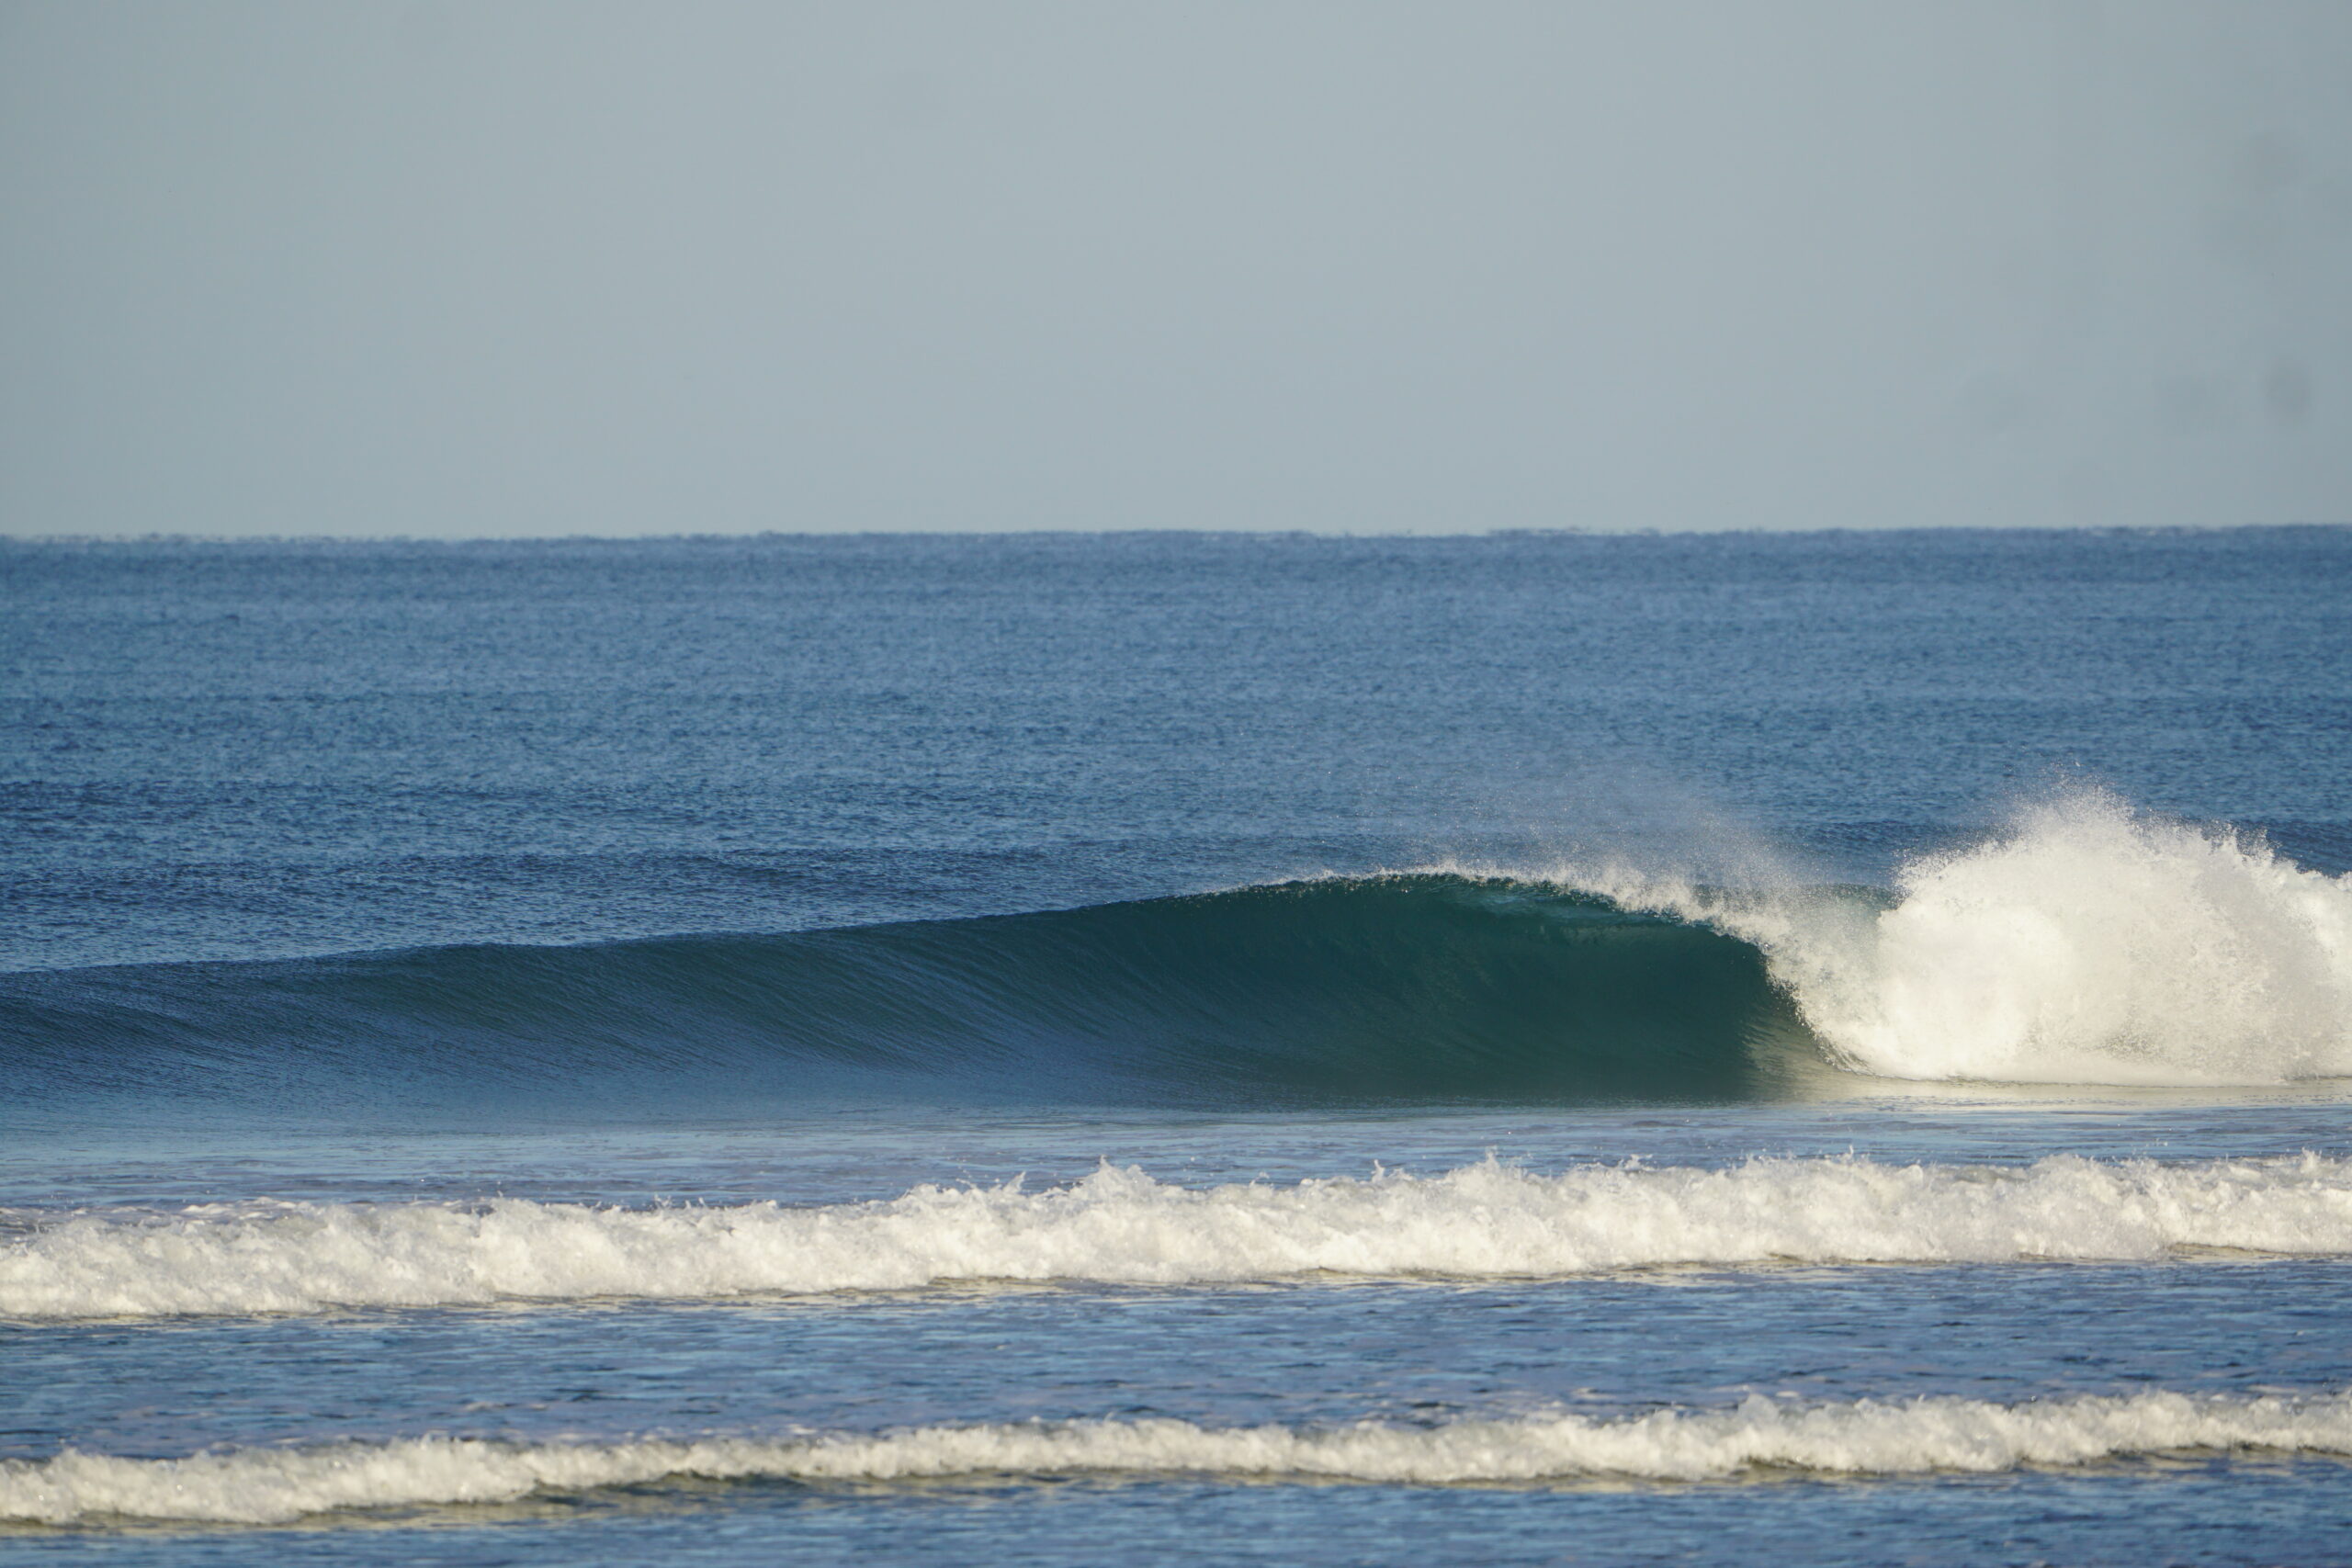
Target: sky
<point x="521" y="267"/>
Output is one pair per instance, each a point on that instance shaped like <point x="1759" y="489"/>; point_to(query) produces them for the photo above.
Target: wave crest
<point x="2089" y="944"/>
<point x="1746" y="1441"/>
<point x="1120" y="1227"/>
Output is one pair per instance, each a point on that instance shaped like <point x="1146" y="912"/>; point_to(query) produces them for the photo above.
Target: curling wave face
<point x="2089" y="944"/>
<point x="1746" y="1441"/>
<point x="1120" y="1227"/>
<point x="1416" y="988"/>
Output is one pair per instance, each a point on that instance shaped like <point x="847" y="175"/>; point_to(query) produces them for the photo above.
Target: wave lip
<point x="1119" y="1226"/>
<point x="1751" y="1441"/>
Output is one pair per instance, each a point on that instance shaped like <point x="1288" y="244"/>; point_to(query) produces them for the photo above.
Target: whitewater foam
<point x="1121" y="1226"/>
<point x="2089" y="943"/>
<point x="1750" y="1440"/>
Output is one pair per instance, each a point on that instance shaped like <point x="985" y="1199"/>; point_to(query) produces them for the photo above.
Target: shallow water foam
<point x="1748" y="1441"/>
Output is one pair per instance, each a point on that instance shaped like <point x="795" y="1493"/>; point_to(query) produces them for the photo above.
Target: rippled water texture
<point x="1825" y="1048"/>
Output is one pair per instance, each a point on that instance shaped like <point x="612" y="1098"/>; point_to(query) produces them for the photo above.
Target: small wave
<point x="1756" y="1439"/>
<point x="1121" y="1226"/>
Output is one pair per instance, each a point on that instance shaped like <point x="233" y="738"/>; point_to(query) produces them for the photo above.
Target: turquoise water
<point x="1238" y="1048"/>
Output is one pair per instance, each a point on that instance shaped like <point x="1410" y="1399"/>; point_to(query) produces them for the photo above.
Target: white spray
<point x="2090" y="943"/>
<point x="1756" y="1439"/>
<point x="1120" y="1227"/>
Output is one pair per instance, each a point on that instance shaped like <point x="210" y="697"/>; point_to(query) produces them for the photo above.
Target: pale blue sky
<point x="548" y="266"/>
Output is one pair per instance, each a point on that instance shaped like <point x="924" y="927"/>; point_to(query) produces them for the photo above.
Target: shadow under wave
<point x="1423" y="988"/>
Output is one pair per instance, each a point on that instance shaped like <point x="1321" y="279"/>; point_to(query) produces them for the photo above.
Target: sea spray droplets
<point x="2090" y="944"/>
<point x="1868" y="1438"/>
<point x="1121" y="1226"/>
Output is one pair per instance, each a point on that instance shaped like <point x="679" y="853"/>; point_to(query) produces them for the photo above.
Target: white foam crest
<point x="2090" y="943"/>
<point x="1759" y="1437"/>
<point x="1121" y="1226"/>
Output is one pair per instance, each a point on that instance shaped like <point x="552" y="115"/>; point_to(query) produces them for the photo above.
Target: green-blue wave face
<point x="1422" y="989"/>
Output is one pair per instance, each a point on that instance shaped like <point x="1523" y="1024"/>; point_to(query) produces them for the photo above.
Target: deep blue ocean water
<point x="1057" y="1048"/>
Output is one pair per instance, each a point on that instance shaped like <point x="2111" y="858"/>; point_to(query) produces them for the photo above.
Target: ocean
<point x="1060" y="1049"/>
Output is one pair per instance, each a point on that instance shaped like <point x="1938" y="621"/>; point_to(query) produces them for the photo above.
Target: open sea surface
<point x="1063" y="1049"/>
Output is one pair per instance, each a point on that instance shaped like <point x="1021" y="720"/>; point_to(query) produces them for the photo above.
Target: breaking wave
<point x="1121" y="1226"/>
<point x="1754" y="1440"/>
<point x="2088" y="944"/>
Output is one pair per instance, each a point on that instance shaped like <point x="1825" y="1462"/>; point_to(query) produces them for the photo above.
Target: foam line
<point x="1121" y="1226"/>
<point x="1746" y="1441"/>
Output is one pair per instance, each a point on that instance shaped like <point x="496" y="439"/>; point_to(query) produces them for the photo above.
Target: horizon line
<point x="780" y="534"/>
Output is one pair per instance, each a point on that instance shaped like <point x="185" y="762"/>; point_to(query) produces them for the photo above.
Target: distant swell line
<point x="1750" y="1440"/>
<point x="1120" y="1227"/>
